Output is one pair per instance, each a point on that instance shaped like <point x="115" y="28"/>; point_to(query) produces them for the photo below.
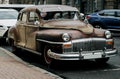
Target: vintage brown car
<point x="56" y="32"/>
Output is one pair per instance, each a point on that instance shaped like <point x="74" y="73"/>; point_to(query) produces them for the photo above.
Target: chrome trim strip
<point x="87" y="39"/>
<point x="78" y="56"/>
<point x="50" y="41"/>
<point x="77" y="40"/>
<point x="114" y="30"/>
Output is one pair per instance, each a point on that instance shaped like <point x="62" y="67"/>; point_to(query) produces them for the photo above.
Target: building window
<point x="67" y="2"/>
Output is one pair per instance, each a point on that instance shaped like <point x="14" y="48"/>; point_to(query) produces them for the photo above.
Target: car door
<point x="108" y="19"/>
<point x="117" y="20"/>
<point x="31" y="30"/>
<point x="21" y="28"/>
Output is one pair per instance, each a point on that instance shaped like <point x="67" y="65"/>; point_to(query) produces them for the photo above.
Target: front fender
<point x="48" y="36"/>
<point x="54" y="46"/>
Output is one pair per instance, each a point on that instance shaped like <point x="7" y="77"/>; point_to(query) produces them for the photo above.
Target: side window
<point x="109" y="13"/>
<point x="33" y="17"/>
<point x="19" y="17"/>
<point x="101" y="13"/>
<point x="24" y="17"/>
<point x="118" y="14"/>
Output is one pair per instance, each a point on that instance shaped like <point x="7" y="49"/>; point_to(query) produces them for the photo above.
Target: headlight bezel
<point x="66" y="37"/>
<point x="108" y="34"/>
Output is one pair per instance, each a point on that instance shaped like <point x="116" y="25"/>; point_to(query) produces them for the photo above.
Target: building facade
<point x="4" y="1"/>
<point x="89" y="6"/>
<point x="84" y="6"/>
<point x="35" y="2"/>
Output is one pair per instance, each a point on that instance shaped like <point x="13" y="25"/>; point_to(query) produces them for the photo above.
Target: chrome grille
<point x="88" y="44"/>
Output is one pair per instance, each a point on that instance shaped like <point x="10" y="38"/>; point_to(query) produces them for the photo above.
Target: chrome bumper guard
<point x="80" y="56"/>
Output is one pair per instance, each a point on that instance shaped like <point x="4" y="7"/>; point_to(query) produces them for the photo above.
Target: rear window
<point x="107" y="13"/>
<point x="118" y="14"/>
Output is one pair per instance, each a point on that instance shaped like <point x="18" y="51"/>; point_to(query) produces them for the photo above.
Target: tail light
<point x="88" y="17"/>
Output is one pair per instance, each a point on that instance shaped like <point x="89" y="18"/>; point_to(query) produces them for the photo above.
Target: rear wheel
<point x="11" y="43"/>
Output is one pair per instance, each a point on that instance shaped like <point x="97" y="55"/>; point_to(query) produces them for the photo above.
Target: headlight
<point x="108" y="34"/>
<point x="66" y="37"/>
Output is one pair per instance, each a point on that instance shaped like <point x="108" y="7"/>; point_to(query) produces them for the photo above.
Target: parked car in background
<point x="106" y="19"/>
<point x="8" y="18"/>
<point x="17" y="7"/>
<point x="57" y="32"/>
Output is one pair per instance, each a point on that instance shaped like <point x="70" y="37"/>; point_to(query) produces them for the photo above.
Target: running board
<point x="38" y="53"/>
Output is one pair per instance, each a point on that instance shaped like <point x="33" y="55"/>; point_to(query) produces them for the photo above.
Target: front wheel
<point x="47" y="59"/>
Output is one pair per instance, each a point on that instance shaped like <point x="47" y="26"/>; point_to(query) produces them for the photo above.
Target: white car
<point x="8" y="18"/>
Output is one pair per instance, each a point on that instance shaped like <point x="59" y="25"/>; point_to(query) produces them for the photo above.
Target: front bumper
<point x="80" y="56"/>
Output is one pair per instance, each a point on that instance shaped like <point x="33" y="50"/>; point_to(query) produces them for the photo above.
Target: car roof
<point x="7" y="10"/>
<point x="50" y="8"/>
<point x="110" y="10"/>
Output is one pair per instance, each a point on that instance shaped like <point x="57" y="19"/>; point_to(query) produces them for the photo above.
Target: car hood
<point x="70" y="24"/>
<point x="56" y="34"/>
<point x="8" y="22"/>
<point x="76" y="30"/>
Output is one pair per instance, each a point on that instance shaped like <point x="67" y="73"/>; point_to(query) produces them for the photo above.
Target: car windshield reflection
<point x="73" y="15"/>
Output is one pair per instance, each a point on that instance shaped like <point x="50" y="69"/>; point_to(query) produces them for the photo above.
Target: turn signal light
<point x="67" y="46"/>
<point x="109" y="42"/>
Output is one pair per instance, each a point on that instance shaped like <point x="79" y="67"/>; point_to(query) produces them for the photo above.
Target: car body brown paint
<point x="48" y="33"/>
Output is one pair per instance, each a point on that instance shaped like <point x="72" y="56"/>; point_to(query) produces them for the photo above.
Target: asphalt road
<point x="78" y="69"/>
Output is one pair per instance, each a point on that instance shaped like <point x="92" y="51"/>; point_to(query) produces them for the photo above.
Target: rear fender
<point x="13" y="34"/>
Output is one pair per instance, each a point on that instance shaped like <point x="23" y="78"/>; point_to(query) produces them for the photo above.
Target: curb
<point x="29" y="65"/>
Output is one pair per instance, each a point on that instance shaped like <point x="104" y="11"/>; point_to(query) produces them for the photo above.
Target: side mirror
<point x="82" y="16"/>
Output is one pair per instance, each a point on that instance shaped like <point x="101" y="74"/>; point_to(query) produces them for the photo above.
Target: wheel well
<point x="10" y="41"/>
<point x="40" y="46"/>
<point x="54" y="47"/>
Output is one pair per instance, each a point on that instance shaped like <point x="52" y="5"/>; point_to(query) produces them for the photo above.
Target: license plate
<point x="92" y="56"/>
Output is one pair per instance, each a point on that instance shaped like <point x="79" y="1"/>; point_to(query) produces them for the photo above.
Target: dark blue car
<point x="106" y="19"/>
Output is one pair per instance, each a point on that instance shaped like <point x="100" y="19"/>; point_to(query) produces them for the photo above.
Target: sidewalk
<point x="11" y="67"/>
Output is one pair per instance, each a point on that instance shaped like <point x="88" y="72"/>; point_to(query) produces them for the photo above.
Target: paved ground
<point x="11" y="67"/>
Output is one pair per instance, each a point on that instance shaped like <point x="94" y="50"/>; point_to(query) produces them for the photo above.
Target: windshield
<point x="8" y="14"/>
<point x="74" y="15"/>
